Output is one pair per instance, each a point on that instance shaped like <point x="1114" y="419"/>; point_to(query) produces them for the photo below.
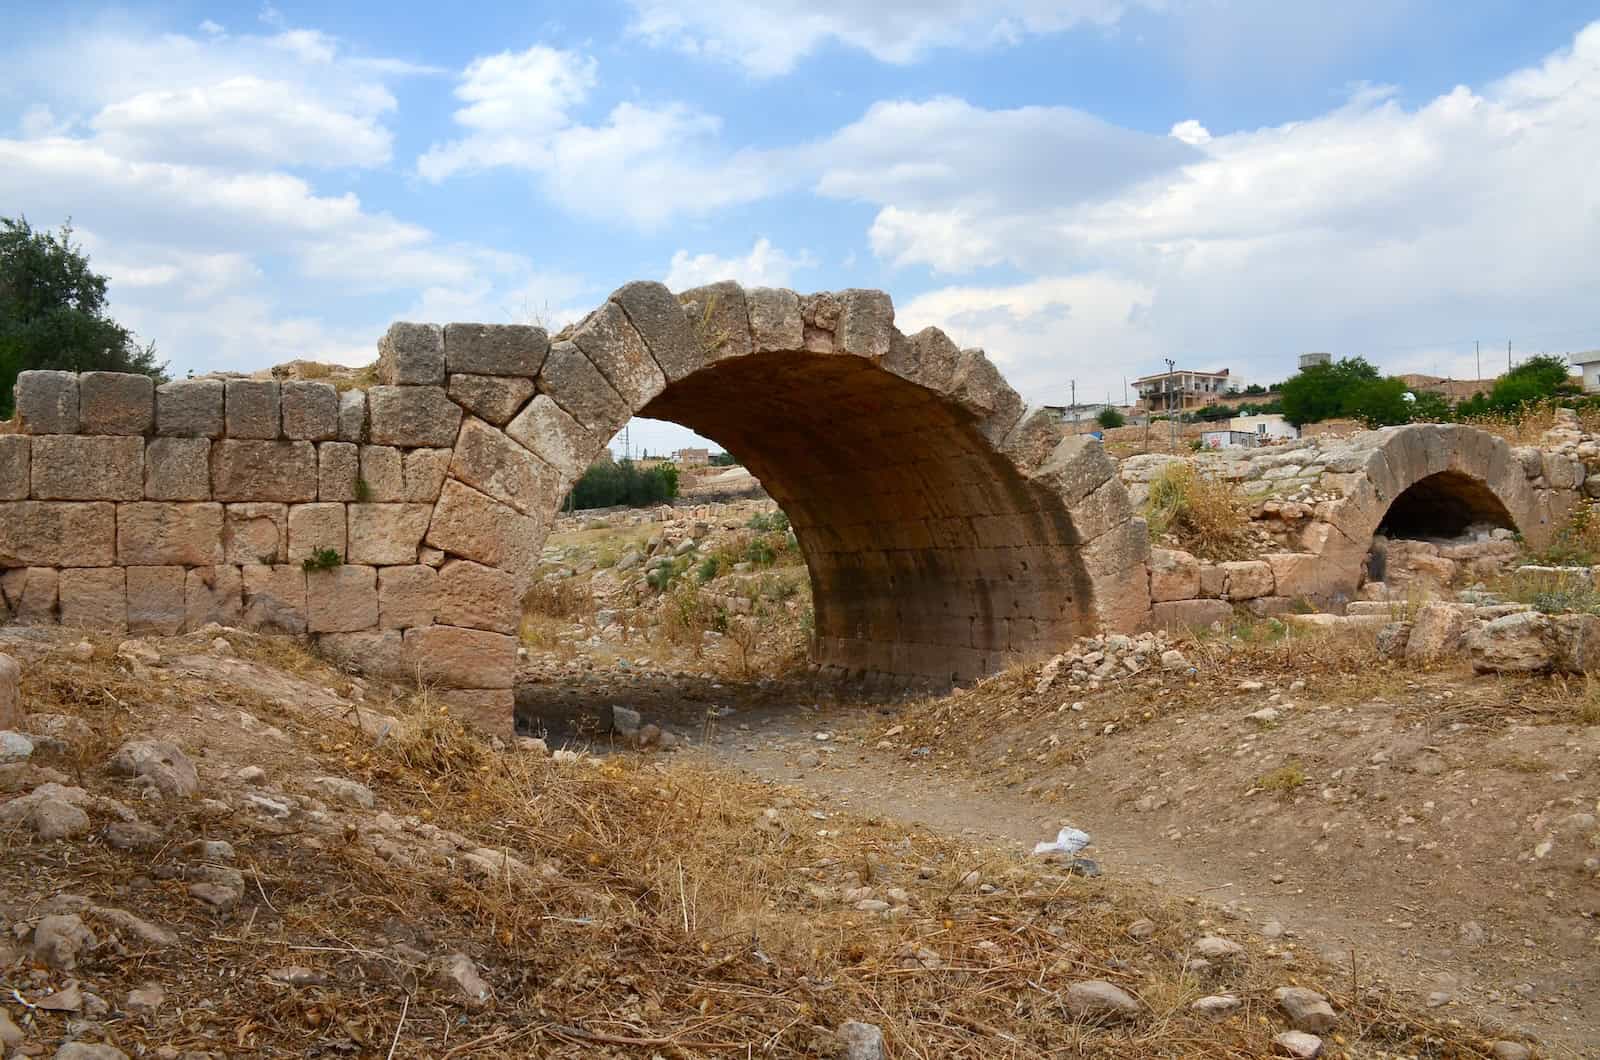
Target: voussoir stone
<point x="487" y="460"/>
<point x="412" y="416"/>
<point x="87" y="468"/>
<point x="657" y="315"/>
<point x="310" y="410"/>
<point x="546" y="429"/>
<point x="251" y="408"/>
<point x="492" y="398"/>
<point x="116" y="403"/>
<point x="614" y="347"/>
<point x="574" y="383"/>
<point x="495" y="349"/>
<point x="411" y="355"/>
<point x="47" y="402"/>
<point x="775" y="323"/>
<point x="190" y="408"/>
<point x="478" y="527"/>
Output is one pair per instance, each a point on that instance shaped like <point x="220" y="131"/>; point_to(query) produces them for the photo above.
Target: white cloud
<point x="767" y="37"/>
<point x="765" y="266"/>
<point x="1191" y="132"/>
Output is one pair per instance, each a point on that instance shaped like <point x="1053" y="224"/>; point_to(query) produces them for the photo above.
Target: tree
<point x="53" y="312"/>
<point x="1323" y="391"/>
<point x="1431" y="407"/>
<point x="1532" y="380"/>
<point x="1381" y="403"/>
<point x="1109" y="418"/>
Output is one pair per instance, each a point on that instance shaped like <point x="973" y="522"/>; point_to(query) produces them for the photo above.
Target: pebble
<point x="1141" y="929"/>
<point x="1266" y="715"/>
<point x="861" y="1041"/>
<point x="10" y="1033"/>
<point x="88" y="1051"/>
<point x="14" y="747"/>
<point x="215" y="895"/>
<point x="144" y="1000"/>
<point x="1298" y="1044"/>
<point x="58" y="939"/>
<point x="1216" y="1005"/>
<point x="251" y="774"/>
<point x="1272" y="929"/>
<point x="1306" y="1009"/>
<point x="68" y="999"/>
<point x="458" y="970"/>
<point x="1506" y="1050"/>
<point x="1217" y="948"/>
<point x="157" y="763"/>
<point x="1098" y="999"/>
<point x="349" y="792"/>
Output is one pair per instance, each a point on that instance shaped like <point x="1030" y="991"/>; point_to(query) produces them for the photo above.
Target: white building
<point x="1265" y="427"/>
<point x="1589" y="365"/>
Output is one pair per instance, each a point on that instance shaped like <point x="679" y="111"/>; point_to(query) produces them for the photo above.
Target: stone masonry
<point x="949" y="530"/>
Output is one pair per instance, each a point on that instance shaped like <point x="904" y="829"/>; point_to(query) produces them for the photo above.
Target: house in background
<point x="692" y="457"/>
<point x="1267" y="427"/>
<point x="1588" y="364"/>
<point x="1180" y="390"/>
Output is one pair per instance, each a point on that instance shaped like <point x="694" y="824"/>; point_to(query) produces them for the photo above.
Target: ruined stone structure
<point x="948" y="530"/>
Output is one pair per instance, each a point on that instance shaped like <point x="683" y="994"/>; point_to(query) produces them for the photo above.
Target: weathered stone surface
<point x="275" y="598"/>
<point x="158" y="764"/>
<point x="1436" y="631"/>
<point x="1174" y="575"/>
<point x="31" y="594"/>
<point x="338" y="468"/>
<point x="574" y="383"/>
<point x="15" y="467"/>
<point x="47" y="402"/>
<point x="491" y="710"/>
<point x="310" y="410"/>
<point x="866" y="320"/>
<point x="190" y="408"/>
<point x="116" y="403"/>
<point x="412" y="416"/>
<point x="1099" y="1000"/>
<point x="411" y="355"/>
<point x="94" y="598"/>
<point x="461" y="658"/>
<point x="160" y="533"/>
<point x="407" y="596"/>
<point x="1181" y="615"/>
<point x="263" y="471"/>
<point x="156" y="602"/>
<point x="545" y="429"/>
<point x="11" y="713"/>
<point x="251" y="408"/>
<point x="658" y="317"/>
<point x="495" y="349"/>
<point x="341" y="600"/>
<point x="775" y="323"/>
<point x="619" y="352"/>
<point x="1306" y="1009"/>
<point x="383" y="472"/>
<point x="374" y="651"/>
<point x="314" y="527"/>
<point x="255" y="533"/>
<point x="477" y="527"/>
<point x="494" y="399"/>
<point x="719" y="316"/>
<point x="425" y="470"/>
<point x="177" y="469"/>
<point x="1519" y="643"/>
<point x="1247" y="579"/>
<point x="213" y="594"/>
<point x="978" y="387"/>
<point x="54" y="534"/>
<point x="83" y="468"/>
<point x="474" y="596"/>
<point x="488" y="461"/>
<point x="927" y="358"/>
<point x="387" y="533"/>
<point x="353" y="416"/>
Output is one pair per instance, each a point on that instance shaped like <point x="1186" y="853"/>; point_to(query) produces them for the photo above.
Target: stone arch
<point x="948" y="530"/>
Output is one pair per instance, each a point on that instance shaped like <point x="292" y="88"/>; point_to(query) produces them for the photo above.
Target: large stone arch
<point x="949" y="530"/>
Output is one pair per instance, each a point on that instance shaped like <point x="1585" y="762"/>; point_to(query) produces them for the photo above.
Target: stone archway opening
<point x="1444" y="506"/>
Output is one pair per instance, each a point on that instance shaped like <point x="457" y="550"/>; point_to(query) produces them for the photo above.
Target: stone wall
<point x="948" y="530"/>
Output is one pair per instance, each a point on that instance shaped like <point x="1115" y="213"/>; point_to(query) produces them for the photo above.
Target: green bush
<point x="768" y="522"/>
<point x="708" y="568"/>
<point x="1110" y="417"/>
<point x="609" y="483"/>
<point x="322" y="559"/>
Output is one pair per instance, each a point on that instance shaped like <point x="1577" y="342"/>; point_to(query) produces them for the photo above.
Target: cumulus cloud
<point x="765" y="266"/>
<point x="768" y="37"/>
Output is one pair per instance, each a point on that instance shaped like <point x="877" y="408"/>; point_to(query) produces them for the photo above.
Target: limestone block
<point x="338" y="468"/>
<point x="263" y="471"/>
<point x="461" y="658"/>
<point x="213" y="594"/>
<point x="310" y="410"/>
<point x="1576" y="638"/>
<point x="545" y="429"/>
<point x="866" y="320"/>
<point x="719" y="316"/>
<point x="177" y="469"/>
<point x="156" y="600"/>
<point x="255" y="533"/>
<point x="1033" y="439"/>
<point x="613" y="346"/>
<point x="15" y="467"/>
<point x="979" y="388"/>
<point x="490" y="462"/>
<point x="1179" y="615"/>
<point x="775" y="323"/>
<point x="161" y="533"/>
<point x="1518" y="643"/>
<point x="495" y="349"/>
<point x="927" y="358"/>
<point x="47" y="402"/>
<point x="491" y="710"/>
<point x="1562" y="472"/>
<point x="1174" y="575"/>
<point x="477" y="527"/>
<point x="412" y="416"/>
<point x="575" y="384"/>
<point x="275" y="598"/>
<point x="116" y="403"/>
<point x="313" y="527"/>
<point x="411" y="355"/>
<point x="251" y="408"/>
<point x="383" y="472"/>
<point x="341" y="600"/>
<point x="477" y="597"/>
<point x="1213" y="581"/>
<point x="1077" y="468"/>
<point x="407" y="596"/>
<point x="353" y="416"/>
<point x="658" y="317"/>
<point x="493" y="398"/>
<point x="377" y="652"/>
<point x="94" y="598"/>
<point x="1437" y="630"/>
<point x="30" y="594"/>
<point x="1247" y="579"/>
<point x="11" y="712"/>
<point x="54" y="534"/>
<point x="1105" y="507"/>
<point x="87" y="468"/>
<point x="190" y="408"/>
<point x="387" y="533"/>
<point x="425" y="470"/>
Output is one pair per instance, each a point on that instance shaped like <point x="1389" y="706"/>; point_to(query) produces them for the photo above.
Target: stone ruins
<point x="949" y="531"/>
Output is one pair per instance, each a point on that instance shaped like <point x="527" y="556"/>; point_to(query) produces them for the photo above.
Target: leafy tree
<point x="1431" y="407"/>
<point x="53" y="312"/>
<point x="722" y="460"/>
<point x="1110" y="417"/>
<point x="1324" y="391"/>
<point x="1255" y="389"/>
<point x="608" y="483"/>
<point x="1532" y="380"/>
<point x="1380" y="403"/>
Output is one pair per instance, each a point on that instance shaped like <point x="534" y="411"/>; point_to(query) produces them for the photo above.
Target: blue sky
<point x="1081" y="187"/>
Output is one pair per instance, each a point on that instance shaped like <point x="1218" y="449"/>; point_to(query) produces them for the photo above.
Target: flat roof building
<point x="1181" y="389"/>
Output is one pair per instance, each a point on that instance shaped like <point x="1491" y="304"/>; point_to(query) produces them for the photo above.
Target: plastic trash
<point x="1068" y="841"/>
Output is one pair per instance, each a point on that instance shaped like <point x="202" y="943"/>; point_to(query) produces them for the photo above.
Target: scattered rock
<point x="296" y="975"/>
<point x="1141" y="929"/>
<point x="1272" y="929"/>
<point x="457" y="970"/>
<point x="216" y="895"/>
<point x="533" y="745"/>
<point x="141" y="929"/>
<point x="251" y="774"/>
<point x="56" y="819"/>
<point x="212" y="849"/>
<point x="809" y="760"/>
<point x="1297" y="1044"/>
<point x="1217" y="948"/>
<point x="1507" y="1050"/>
<point x="625" y="722"/>
<point x="14" y="747"/>
<point x="10" y="692"/>
<point x="1173" y="659"/>
<point x="1098" y="999"/>
<point x="1266" y="715"/>
<point x="132" y="835"/>
<point x="68" y="999"/>
<point x="349" y="792"/>
<point x="1307" y="1010"/>
<point x="144" y="1000"/>
<point x="10" y="1033"/>
<point x="1216" y="1005"/>
<point x="58" y="939"/>
<point x="157" y="763"/>
<point x="88" y="1051"/>
<point x="861" y="1041"/>
<point x="1471" y="933"/>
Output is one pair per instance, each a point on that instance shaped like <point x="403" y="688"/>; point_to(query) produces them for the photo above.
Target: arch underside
<point x="929" y="553"/>
<point x="1444" y="505"/>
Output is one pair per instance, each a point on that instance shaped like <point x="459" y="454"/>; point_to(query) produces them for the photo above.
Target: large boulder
<point x="157" y="763"/>
<point x="1519" y="643"/>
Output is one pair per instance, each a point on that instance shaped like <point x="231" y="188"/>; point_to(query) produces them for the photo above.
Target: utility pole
<point x="1074" y="406"/>
<point x="1172" y="420"/>
<point x="1477" y="352"/>
<point x="1508" y="355"/>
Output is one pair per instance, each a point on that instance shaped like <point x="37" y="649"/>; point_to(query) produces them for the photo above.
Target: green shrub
<point x="1109" y="418"/>
<point x="607" y="483"/>
<point x="322" y="559"/>
<point x="766" y="522"/>
<point x="708" y="569"/>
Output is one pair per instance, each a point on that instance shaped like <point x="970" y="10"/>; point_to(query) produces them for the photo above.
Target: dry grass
<point x="1206" y="516"/>
<point x="570" y="599"/>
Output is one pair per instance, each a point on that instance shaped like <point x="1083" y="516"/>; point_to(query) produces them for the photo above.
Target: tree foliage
<point x="609" y="483"/>
<point x="53" y="311"/>
<point x="1110" y="417"/>
<point x="1324" y="391"/>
